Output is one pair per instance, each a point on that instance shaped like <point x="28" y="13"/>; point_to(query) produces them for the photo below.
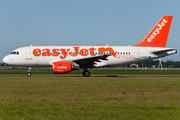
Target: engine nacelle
<point x="64" y="67"/>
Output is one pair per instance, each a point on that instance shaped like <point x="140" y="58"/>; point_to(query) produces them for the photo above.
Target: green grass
<point x="90" y="98"/>
<point x="94" y="72"/>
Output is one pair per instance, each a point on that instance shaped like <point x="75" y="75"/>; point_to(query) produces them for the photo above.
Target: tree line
<point x="155" y="63"/>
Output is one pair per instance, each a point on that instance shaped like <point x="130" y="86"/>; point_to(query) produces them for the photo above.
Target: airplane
<point x="64" y="59"/>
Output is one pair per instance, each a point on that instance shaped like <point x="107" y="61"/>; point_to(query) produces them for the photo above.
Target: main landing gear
<point x="86" y="73"/>
<point x="29" y="72"/>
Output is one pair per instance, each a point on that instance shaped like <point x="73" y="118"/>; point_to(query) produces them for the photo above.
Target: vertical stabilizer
<point x="158" y="35"/>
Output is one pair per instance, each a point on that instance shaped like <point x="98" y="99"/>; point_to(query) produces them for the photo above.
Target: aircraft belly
<point x="118" y="62"/>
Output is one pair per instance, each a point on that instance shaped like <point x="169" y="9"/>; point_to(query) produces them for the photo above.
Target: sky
<point x="84" y="22"/>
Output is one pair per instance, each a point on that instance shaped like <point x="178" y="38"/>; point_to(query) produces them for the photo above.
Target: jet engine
<point x="64" y="67"/>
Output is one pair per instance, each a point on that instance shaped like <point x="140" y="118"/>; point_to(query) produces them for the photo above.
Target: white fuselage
<point x="44" y="56"/>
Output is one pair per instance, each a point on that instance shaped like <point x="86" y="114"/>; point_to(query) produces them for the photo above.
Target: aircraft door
<point x="28" y="54"/>
<point x="136" y="53"/>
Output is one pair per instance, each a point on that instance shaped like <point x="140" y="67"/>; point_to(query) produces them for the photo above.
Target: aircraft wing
<point x="89" y="61"/>
<point x="92" y="60"/>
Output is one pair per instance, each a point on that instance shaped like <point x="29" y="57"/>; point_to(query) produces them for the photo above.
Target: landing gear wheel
<point x="29" y="74"/>
<point x="86" y="73"/>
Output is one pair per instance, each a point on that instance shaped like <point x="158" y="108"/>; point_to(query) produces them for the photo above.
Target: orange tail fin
<point x="158" y="35"/>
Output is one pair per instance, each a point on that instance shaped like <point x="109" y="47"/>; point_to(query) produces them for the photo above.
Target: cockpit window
<point x="15" y="53"/>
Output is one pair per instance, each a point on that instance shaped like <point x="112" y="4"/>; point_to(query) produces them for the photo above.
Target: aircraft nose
<point x="6" y="60"/>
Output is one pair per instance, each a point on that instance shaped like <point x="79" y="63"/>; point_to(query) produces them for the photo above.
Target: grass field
<point x="89" y="98"/>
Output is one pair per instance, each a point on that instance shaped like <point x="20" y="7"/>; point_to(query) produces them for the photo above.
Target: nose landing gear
<point x="29" y="72"/>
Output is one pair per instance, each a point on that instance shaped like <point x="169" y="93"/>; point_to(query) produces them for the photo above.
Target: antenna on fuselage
<point x="31" y="45"/>
<point x="106" y="45"/>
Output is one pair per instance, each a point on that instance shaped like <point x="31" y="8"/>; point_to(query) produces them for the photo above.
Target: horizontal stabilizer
<point x="168" y="51"/>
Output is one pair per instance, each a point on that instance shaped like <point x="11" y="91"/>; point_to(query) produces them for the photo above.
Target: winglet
<point x="158" y="35"/>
